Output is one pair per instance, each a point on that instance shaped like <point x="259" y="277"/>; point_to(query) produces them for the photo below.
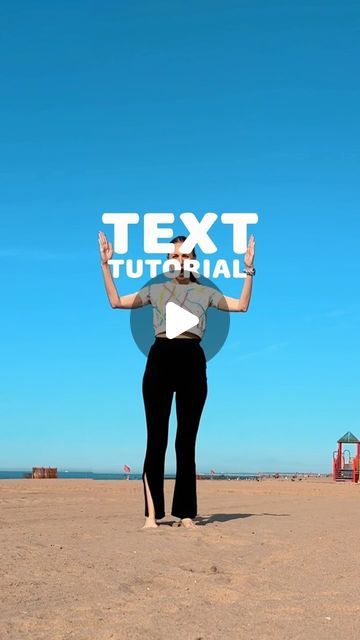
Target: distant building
<point x="44" y="472"/>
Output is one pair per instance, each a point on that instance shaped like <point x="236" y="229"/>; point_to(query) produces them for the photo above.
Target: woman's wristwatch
<point x="250" y="271"/>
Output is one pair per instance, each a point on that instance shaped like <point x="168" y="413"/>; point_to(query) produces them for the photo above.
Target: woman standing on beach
<point x="178" y="366"/>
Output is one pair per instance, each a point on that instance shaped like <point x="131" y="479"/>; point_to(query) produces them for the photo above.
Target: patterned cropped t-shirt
<point x="193" y="297"/>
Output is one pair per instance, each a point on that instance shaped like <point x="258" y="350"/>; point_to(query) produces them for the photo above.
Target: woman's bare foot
<point x="150" y="524"/>
<point x="188" y="523"/>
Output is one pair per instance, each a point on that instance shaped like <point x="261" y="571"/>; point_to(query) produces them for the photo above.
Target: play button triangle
<point x="178" y="320"/>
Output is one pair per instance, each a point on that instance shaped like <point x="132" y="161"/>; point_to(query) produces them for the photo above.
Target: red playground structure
<point x="345" y="465"/>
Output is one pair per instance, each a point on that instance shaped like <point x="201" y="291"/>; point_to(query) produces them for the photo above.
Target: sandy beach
<point x="272" y="559"/>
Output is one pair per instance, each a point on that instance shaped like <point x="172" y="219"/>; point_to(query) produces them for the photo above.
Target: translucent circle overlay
<point x="217" y="322"/>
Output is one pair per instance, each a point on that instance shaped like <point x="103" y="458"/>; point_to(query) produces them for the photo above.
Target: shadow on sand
<point x="223" y="517"/>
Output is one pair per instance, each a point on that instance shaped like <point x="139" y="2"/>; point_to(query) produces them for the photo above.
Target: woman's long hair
<point x="182" y="239"/>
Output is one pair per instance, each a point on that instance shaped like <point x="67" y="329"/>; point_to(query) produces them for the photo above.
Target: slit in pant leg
<point x="189" y="409"/>
<point x="149" y="503"/>
<point x="153" y="495"/>
<point x="154" y="466"/>
<point x="157" y="395"/>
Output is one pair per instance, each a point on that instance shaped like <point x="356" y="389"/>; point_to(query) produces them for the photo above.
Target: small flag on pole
<point x="127" y="468"/>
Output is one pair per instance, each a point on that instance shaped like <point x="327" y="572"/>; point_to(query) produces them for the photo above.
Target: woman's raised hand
<point x="106" y="249"/>
<point x="250" y="252"/>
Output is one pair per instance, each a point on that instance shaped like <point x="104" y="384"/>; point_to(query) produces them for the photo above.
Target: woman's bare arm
<point x="241" y="304"/>
<point x="132" y="300"/>
<point x="238" y="304"/>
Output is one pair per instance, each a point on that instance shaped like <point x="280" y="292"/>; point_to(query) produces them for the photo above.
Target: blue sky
<point x="156" y="106"/>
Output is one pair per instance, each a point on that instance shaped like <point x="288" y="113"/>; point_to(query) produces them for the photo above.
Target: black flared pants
<point x="173" y="366"/>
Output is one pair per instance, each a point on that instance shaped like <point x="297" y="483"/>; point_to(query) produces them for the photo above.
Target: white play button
<point x="178" y="320"/>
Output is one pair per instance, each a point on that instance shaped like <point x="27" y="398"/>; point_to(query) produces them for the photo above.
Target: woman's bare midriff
<point x="187" y="334"/>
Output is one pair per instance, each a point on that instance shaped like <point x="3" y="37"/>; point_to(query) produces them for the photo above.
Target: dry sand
<point x="269" y="560"/>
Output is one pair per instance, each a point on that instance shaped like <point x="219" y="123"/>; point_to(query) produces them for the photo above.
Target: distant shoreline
<point x="72" y="475"/>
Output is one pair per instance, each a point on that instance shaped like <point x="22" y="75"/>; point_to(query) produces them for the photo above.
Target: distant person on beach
<point x="174" y="365"/>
